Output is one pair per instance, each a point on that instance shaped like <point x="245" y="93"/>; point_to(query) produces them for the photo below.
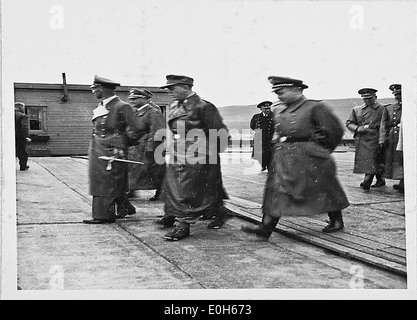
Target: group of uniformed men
<point x="302" y="178"/>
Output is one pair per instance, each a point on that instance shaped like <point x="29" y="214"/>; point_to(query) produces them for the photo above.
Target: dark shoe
<point x="126" y="212"/>
<point x="333" y="226"/>
<point x="166" y="222"/>
<point x="379" y="183"/>
<point x="218" y="221"/>
<point x="24" y="168"/>
<point x="366" y="186"/>
<point x="263" y="168"/>
<point x="99" y="221"/>
<point x="258" y="231"/>
<point x="178" y="233"/>
<point x="154" y="198"/>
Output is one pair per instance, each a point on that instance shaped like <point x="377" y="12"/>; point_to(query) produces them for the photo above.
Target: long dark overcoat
<point x="264" y="129"/>
<point x="302" y="179"/>
<point x="366" y="144"/>
<point x="149" y="175"/>
<point x="21" y="123"/>
<point x="193" y="178"/>
<point x="389" y="133"/>
<point x="109" y="132"/>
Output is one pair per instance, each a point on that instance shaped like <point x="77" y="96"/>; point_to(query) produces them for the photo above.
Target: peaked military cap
<point x="100" y="81"/>
<point x="19" y="106"/>
<point x="173" y="79"/>
<point x="264" y="104"/>
<point x="395" y="88"/>
<point x="367" y="92"/>
<point x="139" y="93"/>
<point x="281" y="82"/>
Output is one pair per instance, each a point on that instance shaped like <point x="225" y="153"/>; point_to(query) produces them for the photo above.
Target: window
<point x="37" y="119"/>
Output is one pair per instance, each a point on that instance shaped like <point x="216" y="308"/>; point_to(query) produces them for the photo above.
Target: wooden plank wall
<point x="69" y="123"/>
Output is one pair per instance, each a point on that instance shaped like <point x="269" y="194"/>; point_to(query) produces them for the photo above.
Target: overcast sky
<point x="229" y="47"/>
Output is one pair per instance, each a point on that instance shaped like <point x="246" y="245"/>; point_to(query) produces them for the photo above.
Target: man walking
<point x="193" y="181"/>
<point x="389" y="134"/>
<point x="261" y="123"/>
<point x="149" y="175"/>
<point x="108" y="179"/>
<point x="364" y="122"/>
<point x="21" y="127"/>
<point x="302" y="180"/>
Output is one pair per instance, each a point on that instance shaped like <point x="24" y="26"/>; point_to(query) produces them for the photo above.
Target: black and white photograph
<point x="208" y="150"/>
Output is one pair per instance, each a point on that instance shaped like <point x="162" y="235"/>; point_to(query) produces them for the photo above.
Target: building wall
<point x="68" y="123"/>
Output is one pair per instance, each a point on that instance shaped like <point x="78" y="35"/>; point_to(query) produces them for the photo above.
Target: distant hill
<point x="238" y="117"/>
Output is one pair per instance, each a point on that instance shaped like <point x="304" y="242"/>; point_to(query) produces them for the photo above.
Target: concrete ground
<point x="130" y="259"/>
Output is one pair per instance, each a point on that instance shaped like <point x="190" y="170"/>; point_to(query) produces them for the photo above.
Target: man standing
<point x="365" y="121"/>
<point x="389" y="133"/>
<point x="21" y="130"/>
<point x="193" y="181"/>
<point x="151" y="174"/>
<point x="108" y="180"/>
<point x="261" y="123"/>
<point x="302" y="180"/>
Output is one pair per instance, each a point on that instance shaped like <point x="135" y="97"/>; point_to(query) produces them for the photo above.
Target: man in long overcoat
<point x="193" y="179"/>
<point x="21" y="127"/>
<point x="364" y="121"/>
<point x="150" y="175"/>
<point x="261" y="123"/>
<point x="302" y="180"/>
<point x="108" y="180"/>
<point x="389" y="134"/>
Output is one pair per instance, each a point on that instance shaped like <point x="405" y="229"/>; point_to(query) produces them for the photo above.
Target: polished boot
<point x="380" y="182"/>
<point x="219" y="220"/>
<point x="367" y="181"/>
<point x="335" y="222"/>
<point x="180" y="232"/>
<point x="262" y="230"/>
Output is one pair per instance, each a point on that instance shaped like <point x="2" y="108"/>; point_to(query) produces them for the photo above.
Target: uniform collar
<point x="188" y="97"/>
<point x="107" y="100"/>
<point x="142" y="107"/>
<point x="375" y="106"/>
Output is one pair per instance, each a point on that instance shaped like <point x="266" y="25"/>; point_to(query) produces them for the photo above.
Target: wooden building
<point x="60" y="115"/>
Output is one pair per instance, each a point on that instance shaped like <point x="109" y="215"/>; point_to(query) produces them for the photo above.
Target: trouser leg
<point x="401" y="186"/>
<point x="187" y="221"/>
<point x="367" y="181"/>
<point x="22" y="155"/>
<point x="264" y="229"/>
<point x="124" y="207"/>
<point x="103" y="208"/>
<point x="335" y="215"/>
